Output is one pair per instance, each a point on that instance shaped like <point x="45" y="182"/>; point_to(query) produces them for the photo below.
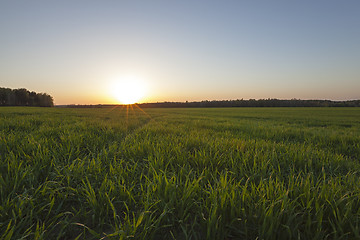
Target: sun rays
<point x="129" y="110"/>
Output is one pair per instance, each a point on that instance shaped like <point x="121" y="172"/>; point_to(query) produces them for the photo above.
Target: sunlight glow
<point x="128" y="90"/>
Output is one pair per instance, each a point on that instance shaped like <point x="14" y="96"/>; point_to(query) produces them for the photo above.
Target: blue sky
<point x="182" y="50"/>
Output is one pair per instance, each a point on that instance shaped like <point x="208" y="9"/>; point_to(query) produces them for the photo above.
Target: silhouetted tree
<point x="32" y="97"/>
<point x="22" y="97"/>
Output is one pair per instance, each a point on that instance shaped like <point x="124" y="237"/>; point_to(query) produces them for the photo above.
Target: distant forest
<point x="23" y="97"/>
<point x="238" y="103"/>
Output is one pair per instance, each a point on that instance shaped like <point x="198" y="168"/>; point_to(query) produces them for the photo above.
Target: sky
<point x="81" y="52"/>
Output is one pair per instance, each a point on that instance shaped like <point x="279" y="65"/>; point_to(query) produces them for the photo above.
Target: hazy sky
<point x="182" y="50"/>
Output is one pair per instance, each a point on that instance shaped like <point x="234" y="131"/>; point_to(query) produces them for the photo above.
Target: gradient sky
<point x="182" y="50"/>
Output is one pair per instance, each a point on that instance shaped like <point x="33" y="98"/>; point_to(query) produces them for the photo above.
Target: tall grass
<point x="236" y="173"/>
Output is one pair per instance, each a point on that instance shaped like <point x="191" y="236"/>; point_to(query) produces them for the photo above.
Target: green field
<point x="231" y="173"/>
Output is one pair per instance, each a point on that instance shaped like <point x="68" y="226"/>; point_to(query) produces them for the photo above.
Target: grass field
<point x="231" y="173"/>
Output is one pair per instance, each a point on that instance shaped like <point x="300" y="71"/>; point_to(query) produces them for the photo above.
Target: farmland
<point x="229" y="173"/>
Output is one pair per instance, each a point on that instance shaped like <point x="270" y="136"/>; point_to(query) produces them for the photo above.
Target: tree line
<point x="257" y="103"/>
<point x="23" y="97"/>
<point x="238" y="103"/>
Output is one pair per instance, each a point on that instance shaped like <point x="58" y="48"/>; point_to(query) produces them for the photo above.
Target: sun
<point x="128" y="90"/>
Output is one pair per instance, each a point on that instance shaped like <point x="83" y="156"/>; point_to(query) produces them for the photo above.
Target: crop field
<point x="230" y="173"/>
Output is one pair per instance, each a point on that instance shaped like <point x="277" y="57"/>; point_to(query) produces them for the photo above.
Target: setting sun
<point x="128" y="90"/>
